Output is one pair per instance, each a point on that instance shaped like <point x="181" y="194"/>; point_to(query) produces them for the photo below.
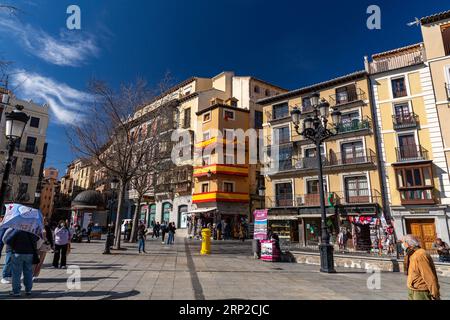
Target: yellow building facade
<point x="414" y="169"/>
<point x="178" y="197"/>
<point x="351" y="172"/>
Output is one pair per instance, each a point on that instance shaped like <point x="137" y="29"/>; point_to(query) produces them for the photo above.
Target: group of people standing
<point x="26" y="252"/>
<point x="159" y="229"/>
<point x="163" y="229"/>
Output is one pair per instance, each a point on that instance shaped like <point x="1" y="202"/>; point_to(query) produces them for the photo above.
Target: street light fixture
<point x="15" y="126"/>
<point x="315" y="129"/>
<point x="262" y="194"/>
<point x="114" y="186"/>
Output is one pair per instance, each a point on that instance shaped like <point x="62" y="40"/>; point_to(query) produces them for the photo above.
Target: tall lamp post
<point x="108" y="243"/>
<point x="315" y="129"/>
<point x="15" y="126"/>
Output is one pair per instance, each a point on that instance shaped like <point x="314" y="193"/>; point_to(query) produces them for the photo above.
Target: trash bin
<point x="256" y="247"/>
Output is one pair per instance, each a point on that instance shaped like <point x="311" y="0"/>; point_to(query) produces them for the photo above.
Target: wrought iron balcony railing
<point x="405" y="120"/>
<point x="335" y="198"/>
<point x="411" y="153"/>
<point x="353" y="126"/>
<point x="350" y="96"/>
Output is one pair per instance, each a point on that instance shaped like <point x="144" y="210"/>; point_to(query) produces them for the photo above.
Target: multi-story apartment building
<point x="351" y="171"/>
<point x="49" y="191"/>
<point x="79" y="177"/>
<point x="413" y="165"/>
<point x="29" y="152"/>
<point x="172" y="197"/>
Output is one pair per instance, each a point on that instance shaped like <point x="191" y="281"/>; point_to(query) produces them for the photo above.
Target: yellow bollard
<point x="206" y="241"/>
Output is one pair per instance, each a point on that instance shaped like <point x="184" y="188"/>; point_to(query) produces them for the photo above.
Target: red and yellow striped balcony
<point x="215" y="140"/>
<point x="230" y="169"/>
<point x="218" y="196"/>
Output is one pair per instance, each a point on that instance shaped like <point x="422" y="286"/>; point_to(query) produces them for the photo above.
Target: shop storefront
<point x="364" y="227"/>
<point x="286" y="227"/>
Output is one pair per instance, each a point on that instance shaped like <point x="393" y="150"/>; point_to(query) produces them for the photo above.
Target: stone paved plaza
<point x="180" y="272"/>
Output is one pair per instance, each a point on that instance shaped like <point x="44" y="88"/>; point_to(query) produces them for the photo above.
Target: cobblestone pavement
<point x="180" y="272"/>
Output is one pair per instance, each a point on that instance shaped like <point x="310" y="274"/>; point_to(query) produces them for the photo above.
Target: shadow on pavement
<point x="107" y="295"/>
<point x="63" y="280"/>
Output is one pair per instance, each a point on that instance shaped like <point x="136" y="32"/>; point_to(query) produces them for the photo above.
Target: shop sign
<point x="420" y="211"/>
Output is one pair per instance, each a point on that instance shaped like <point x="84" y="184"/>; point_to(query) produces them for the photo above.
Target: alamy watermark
<point x="374" y="20"/>
<point x="73" y="22"/>
<point x="74" y="279"/>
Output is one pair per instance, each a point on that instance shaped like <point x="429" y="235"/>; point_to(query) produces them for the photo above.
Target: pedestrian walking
<point x="44" y="245"/>
<point x="219" y="230"/>
<point x="241" y="232"/>
<point x="422" y="279"/>
<point x="24" y="254"/>
<point x="141" y="237"/>
<point x="125" y="231"/>
<point x="171" y="229"/>
<point x="156" y="229"/>
<point x="89" y="231"/>
<point x="130" y="228"/>
<point x="7" y="267"/>
<point x="442" y="249"/>
<point x="62" y="243"/>
<point x="163" y="231"/>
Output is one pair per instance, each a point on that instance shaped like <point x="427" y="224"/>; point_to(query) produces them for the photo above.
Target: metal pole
<point x="8" y="165"/>
<point x="108" y="234"/>
<point x="326" y="250"/>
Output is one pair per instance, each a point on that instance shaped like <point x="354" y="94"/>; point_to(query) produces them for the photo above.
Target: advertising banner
<point x="260" y="231"/>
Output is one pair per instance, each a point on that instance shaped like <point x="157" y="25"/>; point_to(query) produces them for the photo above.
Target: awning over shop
<point x="202" y="210"/>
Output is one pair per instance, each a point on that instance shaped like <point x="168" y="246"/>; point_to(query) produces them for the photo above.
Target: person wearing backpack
<point x="24" y="254"/>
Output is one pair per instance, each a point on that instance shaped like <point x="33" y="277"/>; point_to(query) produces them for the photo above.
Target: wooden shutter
<point x="446" y="39"/>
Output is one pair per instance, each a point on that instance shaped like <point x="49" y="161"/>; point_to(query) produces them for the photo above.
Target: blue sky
<point x="289" y="43"/>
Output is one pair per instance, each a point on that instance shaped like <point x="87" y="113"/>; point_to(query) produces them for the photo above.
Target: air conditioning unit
<point x="299" y="164"/>
<point x="299" y="201"/>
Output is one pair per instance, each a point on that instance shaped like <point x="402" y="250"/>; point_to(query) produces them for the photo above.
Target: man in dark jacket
<point x="23" y="246"/>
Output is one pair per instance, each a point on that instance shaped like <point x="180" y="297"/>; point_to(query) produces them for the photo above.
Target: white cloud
<point x="68" y="105"/>
<point x="68" y="49"/>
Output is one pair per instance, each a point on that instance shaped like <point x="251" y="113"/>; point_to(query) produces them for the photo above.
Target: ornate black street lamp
<point x="316" y="130"/>
<point x="15" y="126"/>
<point x="262" y="194"/>
<point x="114" y="186"/>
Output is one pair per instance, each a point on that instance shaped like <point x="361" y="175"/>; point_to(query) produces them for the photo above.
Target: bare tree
<point x="120" y="135"/>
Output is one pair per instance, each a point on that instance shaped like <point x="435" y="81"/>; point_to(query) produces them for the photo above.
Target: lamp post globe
<point x="314" y="98"/>
<point x="15" y="123"/>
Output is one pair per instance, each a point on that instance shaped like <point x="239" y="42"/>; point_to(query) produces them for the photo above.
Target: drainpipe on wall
<point x="384" y="197"/>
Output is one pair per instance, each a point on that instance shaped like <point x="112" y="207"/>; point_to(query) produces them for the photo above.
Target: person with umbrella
<point x="27" y="225"/>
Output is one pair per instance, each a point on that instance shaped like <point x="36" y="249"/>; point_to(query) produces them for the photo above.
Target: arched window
<point x="166" y="209"/>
